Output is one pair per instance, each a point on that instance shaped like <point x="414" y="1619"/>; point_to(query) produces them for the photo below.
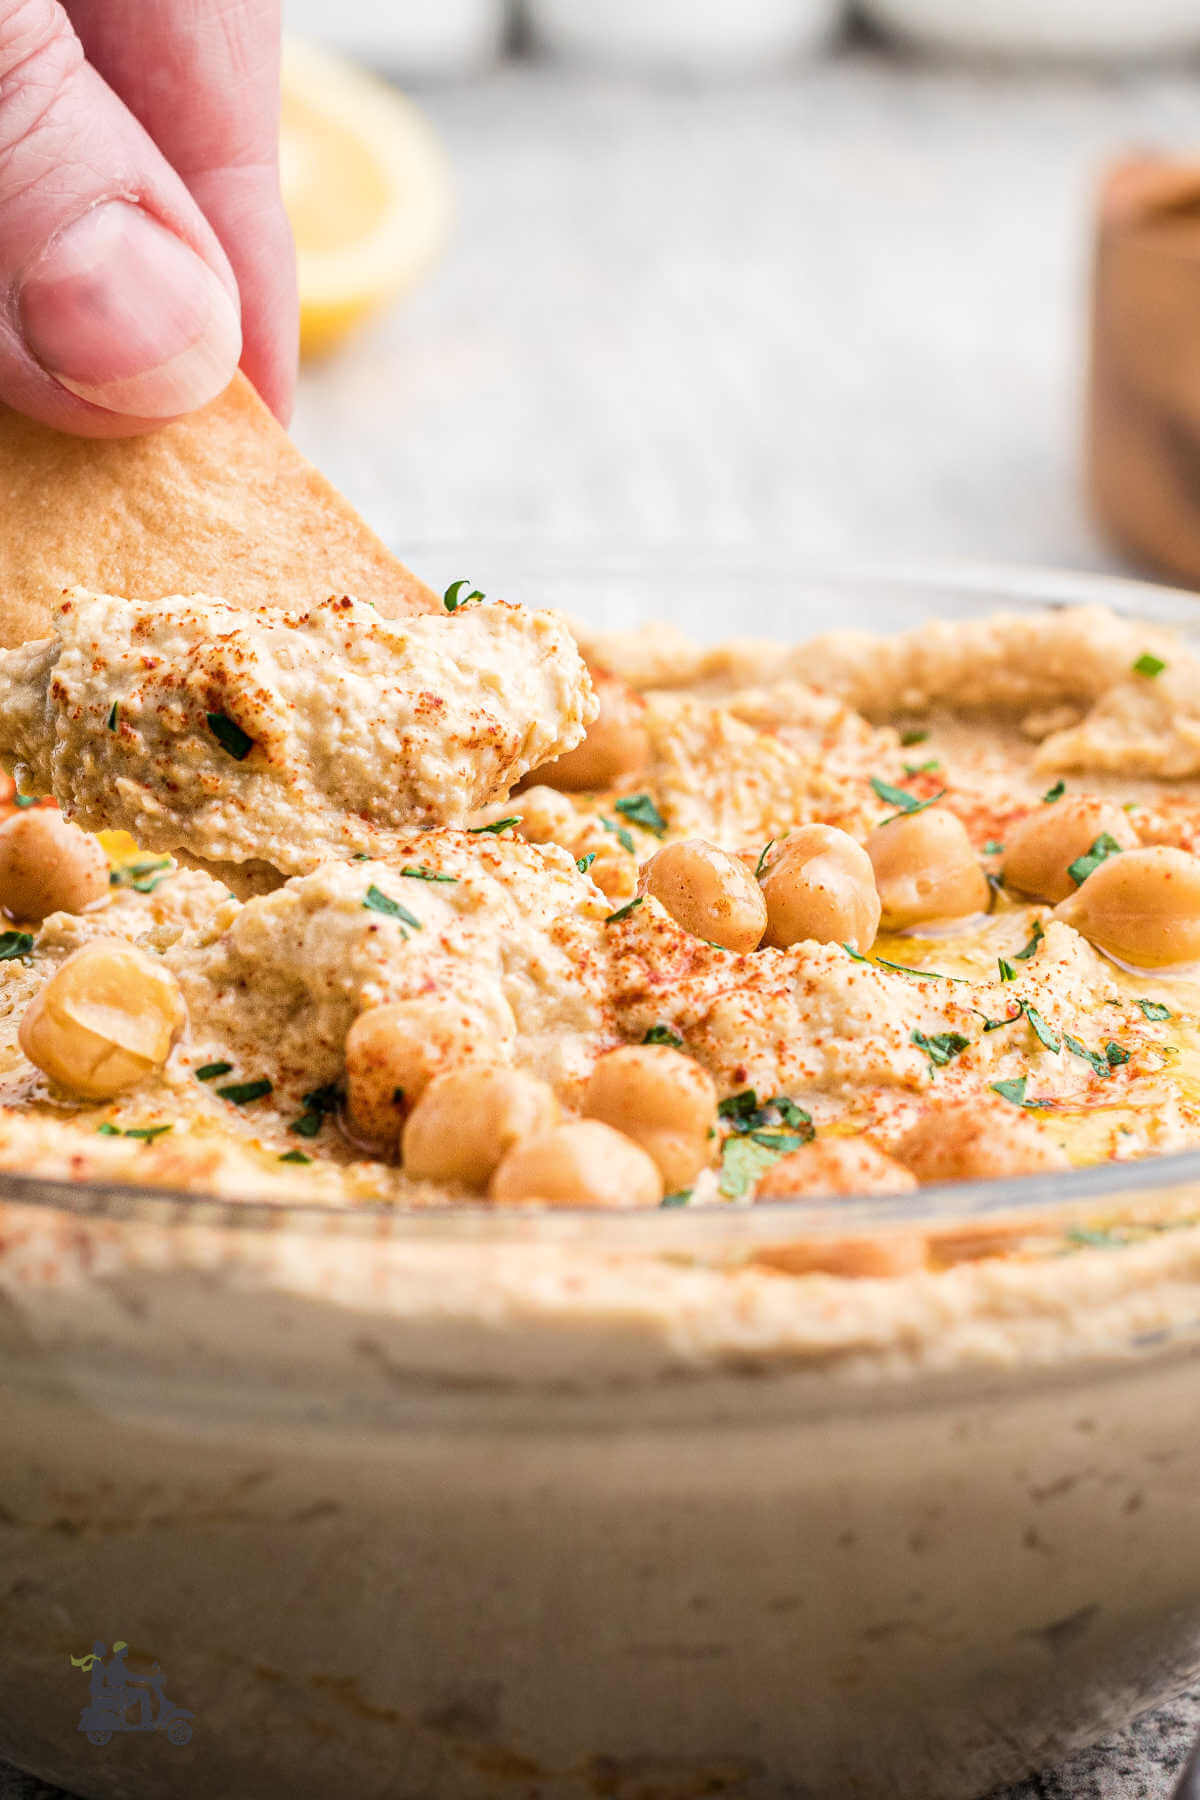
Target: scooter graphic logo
<point x="117" y="1692"/>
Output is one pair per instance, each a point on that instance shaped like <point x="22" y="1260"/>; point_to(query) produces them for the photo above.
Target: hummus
<point x="259" y="734"/>
<point x="369" y="745"/>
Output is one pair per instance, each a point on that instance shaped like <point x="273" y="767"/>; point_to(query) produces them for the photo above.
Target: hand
<point x="144" y="249"/>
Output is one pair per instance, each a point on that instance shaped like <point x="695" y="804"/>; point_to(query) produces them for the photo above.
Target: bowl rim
<point x="988" y="586"/>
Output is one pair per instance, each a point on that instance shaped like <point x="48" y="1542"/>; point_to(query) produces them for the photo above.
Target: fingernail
<point x="124" y="314"/>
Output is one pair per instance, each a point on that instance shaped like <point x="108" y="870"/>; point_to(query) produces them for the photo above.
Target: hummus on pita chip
<point x="221" y="503"/>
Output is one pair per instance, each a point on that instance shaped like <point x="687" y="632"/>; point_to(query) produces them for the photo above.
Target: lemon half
<point x="367" y="189"/>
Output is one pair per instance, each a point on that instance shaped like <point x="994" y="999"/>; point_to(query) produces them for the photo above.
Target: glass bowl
<point x="576" y="1505"/>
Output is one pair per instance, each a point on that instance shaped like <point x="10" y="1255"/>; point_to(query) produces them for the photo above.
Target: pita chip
<point x="220" y="503"/>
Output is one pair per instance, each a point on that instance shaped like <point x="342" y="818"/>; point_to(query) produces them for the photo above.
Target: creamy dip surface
<point x="446" y="922"/>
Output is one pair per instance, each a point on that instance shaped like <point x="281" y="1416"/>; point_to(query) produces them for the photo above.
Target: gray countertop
<point x="836" y="314"/>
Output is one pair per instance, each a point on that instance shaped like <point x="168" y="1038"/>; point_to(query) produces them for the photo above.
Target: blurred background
<point x="786" y="278"/>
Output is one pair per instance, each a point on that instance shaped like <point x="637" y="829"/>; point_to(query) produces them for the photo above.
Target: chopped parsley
<point x="295" y="1156"/>
<point x="682" y="1198"/>
<point x="755" y="1141"/>
<point x="998" y="1024"/>
<point x="1116" y="1054"/>
<point x="744" y="1115"/>
<point x="662" y="1034"/>
<point x="925" y="768"/>
<point x="114" y="713"/>
<point x="454" y="598"/>
<point x="146" y="1132"/>
<point x="232" y="739"/>
<point x="241" y="1093"/>
<point x="1013" y="1091"/>
<point x="1041" y="1030"/>
<point x="640" y="809"/>
<point x="417" y="872"/>
<point x="744" y="1160"/>
<point x="913" y="736"/>
<point x="903" y="801"/>
<point x="14" y="944"/>
<point x="377" y="901"/>
<point x="142" y="877"/>
<point x="761" y="864"/>
<point x="1154" y="1009"/>
<point x="1104" y="847"/>
<point x="210" y="1071"/>
<point x="496" y="826"/>
<point x="1148" y="664"/>
<point x="881" y="962"/>
<point x="619" y="832"/>
<point x="1098" y="1063"/>
<point x="1035" y="939"/>
<point x="1054" y="793"/>
<point x="623" y="912"/>
<point x="941" y="1047"/>
<point x="584" y="863"/>
<point x="317" y="1102"/>
<point x="992" y="848"/>
<point x="107" y="1129"/>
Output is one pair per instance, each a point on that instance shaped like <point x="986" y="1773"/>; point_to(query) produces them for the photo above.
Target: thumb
<point x="118" y="308"/>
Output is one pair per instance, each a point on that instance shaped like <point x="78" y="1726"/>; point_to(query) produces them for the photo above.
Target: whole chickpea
<point x="468" y="1119"/>
<point x="819" y="885"/>
<point x="392" y="1054"/>
<point x="581" y="1163"/>
<point x="1041" y="848"/>
<point x="710" y="893"/>
<point x="662" y="1100"/>
<point x="926" y="869"/>
<point x="970" y="1140"/>
<point x="104" y="1021"/>
<point x="616" y="744"/>
<point x="1142" y="907"/>
<point x="48" y="865"/>
<point x="833" y="1166"/>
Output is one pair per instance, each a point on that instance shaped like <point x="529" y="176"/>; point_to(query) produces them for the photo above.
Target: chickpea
<point x="1042" y="847"/>
<point x="819" y="885"/>
<point x="970" y="1140"/>
<point x="104" y="1021"/>
<point x="1143" y="907"/>
<point x="392" y="1054"/>
<point x="662" y="1100"/>
<point x="833" y="1166"/>
<point x="617" y="743"/>
<point x="925" y="869"/>
<point x="582" y="1163"/>
<point x="710" y="893"/>
<point x="468" y="1119"/>
<point x="48" y="865"/>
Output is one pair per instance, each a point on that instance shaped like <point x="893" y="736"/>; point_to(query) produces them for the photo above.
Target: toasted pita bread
<point x="220" y="503"/>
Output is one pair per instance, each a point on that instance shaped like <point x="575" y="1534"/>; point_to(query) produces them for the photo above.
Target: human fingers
<point x="118" y="307"/>
<point x="203" y="78"/>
